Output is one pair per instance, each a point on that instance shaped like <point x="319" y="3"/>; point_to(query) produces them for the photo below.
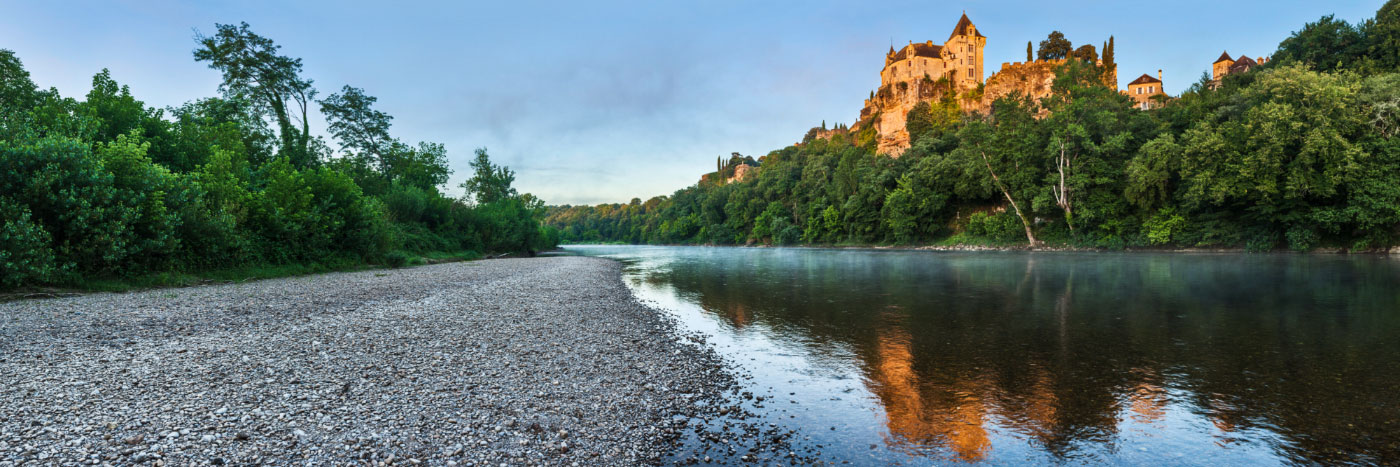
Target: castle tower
<point x="964" y="50"/>
<point x="1221" y="67"/>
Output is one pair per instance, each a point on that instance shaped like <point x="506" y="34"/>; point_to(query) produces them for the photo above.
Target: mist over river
<point x="915" y="357"/>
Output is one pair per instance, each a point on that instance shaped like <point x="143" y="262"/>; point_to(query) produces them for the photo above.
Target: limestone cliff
<point x="887" y="110"/>
<point x="1033" y="79"/>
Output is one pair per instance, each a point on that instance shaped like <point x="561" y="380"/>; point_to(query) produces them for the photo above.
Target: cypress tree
<point x="1030" y="55"/>
<point x="1108" y="54"/>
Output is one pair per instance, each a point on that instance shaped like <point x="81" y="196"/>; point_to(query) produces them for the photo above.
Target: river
<point x="916" y="357"/>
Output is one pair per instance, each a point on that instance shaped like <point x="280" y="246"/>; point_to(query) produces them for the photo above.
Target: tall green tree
<point x="1090" y="134"/>
<point x="489" y="182"/>
<point x="352" y="119"/>
<point x="1329" y="44"/>
<point x="1384" y="36"/>
<point x="1109" y="62"/>
<point x="423" y="166"/>
<point x="1055" y="47"/>
<point x="253" y="69"/>
<point x="1001" y="152"/>
<point x="1087" y="53"/>
<point x="18" y="93"/>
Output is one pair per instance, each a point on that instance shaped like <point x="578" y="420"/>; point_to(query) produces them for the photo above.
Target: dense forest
<point x="1299" y="153"/>
<point x="106" y="187"/>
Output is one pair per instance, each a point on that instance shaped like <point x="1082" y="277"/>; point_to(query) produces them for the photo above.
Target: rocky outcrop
<point x="1033" y="79"/>
<point x="741" y="172"/>
<point x="887" y="110"/>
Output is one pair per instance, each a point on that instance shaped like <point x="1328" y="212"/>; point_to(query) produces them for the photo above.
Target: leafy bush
<point x="790" y="235"/>
<point x="1302" y="238"/>
<point x="406" y="203"/>
<point x="1159" y="228"/>
<point x="720" y="234"/>
<point x="397" y="259"/>
<point x="25" y="255"/>
<point x="71" y="196"/>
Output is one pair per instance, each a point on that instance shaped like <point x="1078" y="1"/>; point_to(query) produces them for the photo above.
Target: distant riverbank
<point x="1048" y="248"/>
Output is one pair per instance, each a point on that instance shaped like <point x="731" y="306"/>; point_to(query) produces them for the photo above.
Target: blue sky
<point x="600" y="101"/>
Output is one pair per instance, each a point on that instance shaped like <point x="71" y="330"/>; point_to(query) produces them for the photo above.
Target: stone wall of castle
<point x="913" y="69"/>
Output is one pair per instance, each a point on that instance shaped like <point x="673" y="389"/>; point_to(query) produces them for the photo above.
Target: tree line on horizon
<point x="1300" y="153"/>
<point x="106" y="187"/>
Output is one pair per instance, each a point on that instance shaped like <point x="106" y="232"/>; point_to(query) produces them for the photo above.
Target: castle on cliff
<point x="919" y="72"/>
<point x="959" y="60"/>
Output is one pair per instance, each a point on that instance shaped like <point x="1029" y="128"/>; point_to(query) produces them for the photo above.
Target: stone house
<point x="1143" y="89"/>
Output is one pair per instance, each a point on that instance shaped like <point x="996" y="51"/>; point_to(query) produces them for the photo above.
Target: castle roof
<point x="1243" y="64"/>
<point x="918" y="49"/>
<point x="962" y="27"/>
<point x="1224" y="57"/>
<point x="1144" y="79"/>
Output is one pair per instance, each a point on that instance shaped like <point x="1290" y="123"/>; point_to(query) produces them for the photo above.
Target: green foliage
<point x="1160" y="226"/>
<point x="1329" y="44"/>
<point x="252" y="69"/>
<point x="1383" y="36"/>
<point x="70" y="195"/>
<point x="790" y="235"/>
<point x="25" y="255"/>
<point x="1086" y="52"/>
<point x="358" y="127"/>
<point x="720" y="234"/>
<point x="107" y="192"/>
<point x="1055" y="47"/>
<point x="1108" y="55"/>
<point x="774" y="219"/>
<point x="489" y="182"/>
<point x="1002" y="227"/>
<point x="397" y="259"/>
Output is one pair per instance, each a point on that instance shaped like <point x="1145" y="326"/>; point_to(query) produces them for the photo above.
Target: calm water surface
<point x="1048" y="358"/>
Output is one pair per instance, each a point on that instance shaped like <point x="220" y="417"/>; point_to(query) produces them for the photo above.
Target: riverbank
<point x="1026" y="248"/>
<point x="547" y="360"/>
<point x="228" y="275"/>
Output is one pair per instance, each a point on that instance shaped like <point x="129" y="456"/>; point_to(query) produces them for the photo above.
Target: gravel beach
<point x="516" y="361"/>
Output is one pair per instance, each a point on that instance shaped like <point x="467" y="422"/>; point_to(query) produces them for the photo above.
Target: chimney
<point x="1159" y="74"/>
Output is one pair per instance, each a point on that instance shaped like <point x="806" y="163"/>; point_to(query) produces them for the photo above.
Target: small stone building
<point x="1143" y="89"/>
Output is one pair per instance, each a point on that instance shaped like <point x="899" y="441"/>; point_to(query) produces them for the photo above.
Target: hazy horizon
<point x="603" y="102"/>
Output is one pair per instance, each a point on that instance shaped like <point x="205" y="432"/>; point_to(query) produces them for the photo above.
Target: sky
<point x="600" y="102"/>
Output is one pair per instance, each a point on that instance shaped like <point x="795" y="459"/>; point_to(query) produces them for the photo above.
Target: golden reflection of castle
<point x="951" y="417"/>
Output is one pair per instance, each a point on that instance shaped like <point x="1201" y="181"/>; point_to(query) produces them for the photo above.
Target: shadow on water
<point x="918" y="357"/>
